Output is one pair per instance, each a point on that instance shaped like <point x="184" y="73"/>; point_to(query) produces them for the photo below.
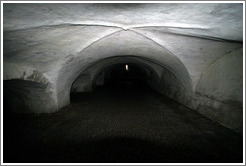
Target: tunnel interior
<point x="137" y="83"/>
<point x="120" y="119"/>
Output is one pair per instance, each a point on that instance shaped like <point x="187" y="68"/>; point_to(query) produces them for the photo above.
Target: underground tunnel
<point x="123" y="83"/>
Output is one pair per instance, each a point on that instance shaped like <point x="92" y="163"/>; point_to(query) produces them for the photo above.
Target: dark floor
<point x="126" y="124"/>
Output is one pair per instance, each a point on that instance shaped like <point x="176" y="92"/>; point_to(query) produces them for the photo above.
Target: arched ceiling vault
<point x="52" y="34"/>
<point x="51" y="44"/>
<point x="205" y="19"/>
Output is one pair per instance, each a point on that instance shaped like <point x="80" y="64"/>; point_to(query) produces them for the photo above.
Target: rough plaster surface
<point x="184" y="45"/>
<point x="220" y="90"/>
<point x="202" y="20"/>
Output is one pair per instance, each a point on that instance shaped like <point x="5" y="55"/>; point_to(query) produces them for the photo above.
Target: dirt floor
<point x="119" y="124"/>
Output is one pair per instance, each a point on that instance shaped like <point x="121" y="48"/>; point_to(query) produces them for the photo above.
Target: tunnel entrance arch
<point x="113" y="70"/>
<point x="151" y="72"/>
<point x="178" y="87"/>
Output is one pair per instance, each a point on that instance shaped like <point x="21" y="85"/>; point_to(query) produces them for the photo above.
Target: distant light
<point x="127" y="68"/>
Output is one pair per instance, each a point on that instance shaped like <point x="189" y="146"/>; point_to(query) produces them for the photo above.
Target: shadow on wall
<point x="22" y="96"/>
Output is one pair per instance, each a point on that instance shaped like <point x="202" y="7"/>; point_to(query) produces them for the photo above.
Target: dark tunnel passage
<point x="106" y="83"/>
<point x="122" y="80"/>
<point x="125" y="75"/>
<point x="121" y="120"/>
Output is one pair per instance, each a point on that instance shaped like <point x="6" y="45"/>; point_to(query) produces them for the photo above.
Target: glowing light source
<point x="127" y="68"/>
